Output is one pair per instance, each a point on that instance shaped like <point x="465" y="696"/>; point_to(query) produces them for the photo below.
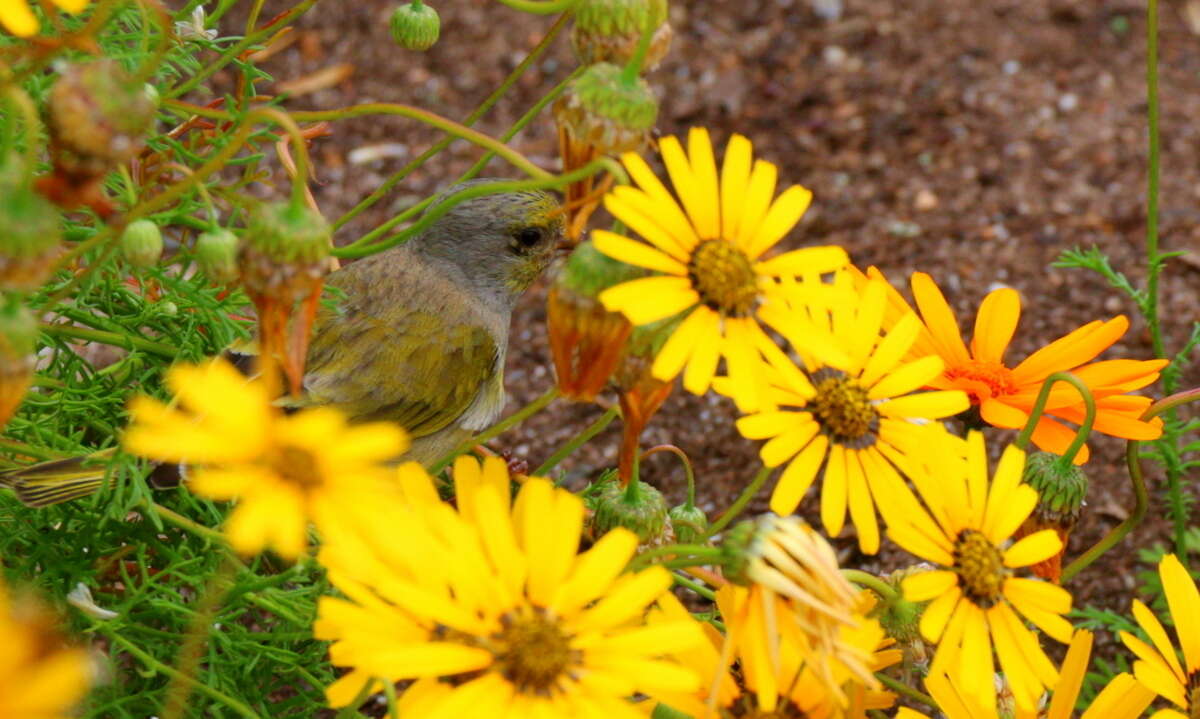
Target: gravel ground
<point x="974" y="141"/>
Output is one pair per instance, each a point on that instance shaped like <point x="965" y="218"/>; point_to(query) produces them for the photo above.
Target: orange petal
<point x="995" y="324"/>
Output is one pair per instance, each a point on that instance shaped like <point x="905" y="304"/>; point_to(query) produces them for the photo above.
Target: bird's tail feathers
<point x="57" y="481"/>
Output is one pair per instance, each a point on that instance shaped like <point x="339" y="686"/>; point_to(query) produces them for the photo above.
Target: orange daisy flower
<point x="1005" y="393"/>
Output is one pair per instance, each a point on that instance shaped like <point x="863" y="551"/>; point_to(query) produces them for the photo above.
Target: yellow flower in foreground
<point x="1123" y="698"/>
<point x="39" y="678"/>
<point x="1005" y="395"/>
<point x="18" y="18"/>
<point x="492" y="610"/>
<point x="710" y="253"/>
<point x="800" y="691"/>
<point x="1158" y="667"/>
<point x="283" y="470"/>
<point x="976" y="597"/>
<point x="854" y="424"/>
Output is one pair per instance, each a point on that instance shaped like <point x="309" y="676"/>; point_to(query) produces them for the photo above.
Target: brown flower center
<point x="1193" y="695"/>
<point x="298" y="466"/>
<point x="983" y="380"/>
<point x="724" y="277"/>
<point x="843" y="410"/>
<point x="533" y="653"/>
<point x="747" y="708"/>
<point x="980" y="565"/>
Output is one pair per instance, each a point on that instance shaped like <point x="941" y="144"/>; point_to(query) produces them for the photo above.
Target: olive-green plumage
<point x="422" y="333"/>
<point x="419" y="338"/>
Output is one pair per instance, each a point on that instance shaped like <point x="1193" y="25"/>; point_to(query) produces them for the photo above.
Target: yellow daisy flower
<point x="708" y="248"/>
<point x="39" y="677"/>
<point x="1158" y="666"/>
<point x="18" y="18"/>
<point x="283" y="470"/>
<point x="1122" y="698"/>
<point x="793" y="688"/>
<point x="976" y="595"/>
<point x="855" y="424"/>
<point x="490" y="608"/>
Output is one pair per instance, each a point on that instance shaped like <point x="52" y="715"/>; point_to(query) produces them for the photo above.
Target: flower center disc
<point x="1193" y="695"/>
<point x="534" y="653"/>
<point x="980" y="565"/>
<point x="984" y="380"/>
<point x="298" y="467"/>
<point x="843" y="410"/>
<point x="724" y="277"/>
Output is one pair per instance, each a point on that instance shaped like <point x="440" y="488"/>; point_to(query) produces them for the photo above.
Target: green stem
<point x="236" y="49"/>
<point x="110" y="338"/>
<point x="351" y="709"/>
<point x="470" y="120"/>
<point x="186" y="524"/>
<point x="1133" y="463"/>
<point x="901" y="688"/>
<point x="740" y="503"/>
<point x="872" y="582"/>
<point x="499" y="428"/>
<point x="175" y="675"/>
<point x="540" y="7"/>
<point x="444" y="124"/>
<point x="633" y="68"/>
<point x="696" y="587"/>
<point x="153" y="61"/>
<point x="300" y="181"/>
<point x="1039" y="408"/>
<point x="14" y="447"/>
<point x="1152" y="180"/>
<point x="577" y="441"/>
<point x="693" y="551"/>
<point x="687" y="469"/>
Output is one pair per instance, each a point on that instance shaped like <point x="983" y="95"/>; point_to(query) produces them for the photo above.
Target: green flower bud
<point x="736" y="545"/>
<point x="217" y="253"/>
<point x="141" y="243"/>
<point x="645" y="515"/>
<point x="588" y="271"/>
<point x="168" y="308"/>
<point x="18" y="339"/>
<point x="97" y="115"/>
<point x="604" y="111"/>
<point x="609" y="30"/>
<point x="1061" y="488"/>
<point x="415" y="26"/>
<point x="690" y="524"/>
<point x="285" y="251"/>
<point x="30" y="234"/>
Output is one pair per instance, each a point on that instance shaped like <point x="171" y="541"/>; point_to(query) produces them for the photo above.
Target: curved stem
<point x="576" y="442"/>
<point x="201" y="187"/>
<point x="470" y="120"/>
<point x="445" y="124"/>
<point x="540" y="7"/>
<point x="1039" y="407"/>
<point x="872" y="582"/>
<point x="499" y="428"/>
<point x="710" y="555"/>
<point x="695" y="586"/>
<point x="687" y="468"/>
<point x="115" y="339"/>
<point x="1133" y="463"/>
<point x="901" y="688"/>
<point x="300" y="181"/>
<point x="740" y="503"/>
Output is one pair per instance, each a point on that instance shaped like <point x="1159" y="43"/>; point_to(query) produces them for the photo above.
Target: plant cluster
<point x="223" y="543"/>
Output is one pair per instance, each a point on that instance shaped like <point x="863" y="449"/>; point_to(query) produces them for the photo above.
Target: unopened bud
<point x="285" y="251"/>
<point x="604" y="111"/>
<point x="142" y="243"/>
<point x="415" y="26"/>
<point x="216" y="253"/>
<point x="609" y="31"/>
<point x="1061" y="487"/>
<point x="97" y="115"/>
<point x="690" y="524"/>
<point x="644" y="513"/>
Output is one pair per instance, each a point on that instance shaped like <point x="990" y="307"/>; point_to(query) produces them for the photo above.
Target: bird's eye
<point x="529" y="236"/>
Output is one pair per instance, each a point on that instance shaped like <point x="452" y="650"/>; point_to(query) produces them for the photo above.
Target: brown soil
<point x="974" y="141"/>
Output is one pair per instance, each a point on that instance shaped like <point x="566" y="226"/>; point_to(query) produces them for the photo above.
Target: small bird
<point x="419" y="338"/>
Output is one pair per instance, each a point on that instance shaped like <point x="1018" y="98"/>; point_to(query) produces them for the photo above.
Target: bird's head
<point x="500" y="242"/>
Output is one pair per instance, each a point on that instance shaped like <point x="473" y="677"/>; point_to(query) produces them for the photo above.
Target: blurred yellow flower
<point x="39" y="677"/>
<point x="283" y="470"/>
<point x="492" y="610"/>
<point x="1158" y="666"/>
<point x="976" y="595"/>
<point x="788" y="685"/>
<point x="710" y="256"/>
<point x="857" y="424"/>
<point x="17" y="17"/>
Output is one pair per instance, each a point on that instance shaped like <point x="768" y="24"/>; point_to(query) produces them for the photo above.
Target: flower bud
<point x="644" y="513"/>
<point x="586" y="340"/>
<point x="29" y="236"/>
<point x="285" y="252"/>
<point x="690" y="524"/>
<point x="736" y="545"/>
<point x="142" y="243"/>
<point x="18" y="338"/>
<point x="1061" y="487"/>
<point x="609" y="31"/>
<point x="901" y="620"/>
<point x="217" y="254"/>
<point x="415" y="26"/>
<point x="97" y="114"/>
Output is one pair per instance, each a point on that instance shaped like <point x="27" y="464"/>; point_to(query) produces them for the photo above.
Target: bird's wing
<point x="377" y="357"/>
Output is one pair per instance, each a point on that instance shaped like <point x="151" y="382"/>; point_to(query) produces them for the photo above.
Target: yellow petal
<point x="648" y="218"/>
<point x="798" y="477"/>
<point x="785" y="212"/>
<point x="650" y="299"/>
<point x="635" y="253"/>
<point x="17" y="18"/>
<point x="682" y="344"/>
<point x="1070" y="676"/>
<point x="707" y="218"/>
<point x="735" y="177"/>
<point x="909" y="377"/>
<point x="928" y="585"/>
<point x="1033" y="548"/>
<point x="595" y="570"/>
<point x="806" y="261"/>
<point x="662" y="206"/>
<point x="1184" y="602"/>
<point x="756" y="202"/>
<point x="862" y="509"/>
<point x="833" y="491"/>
